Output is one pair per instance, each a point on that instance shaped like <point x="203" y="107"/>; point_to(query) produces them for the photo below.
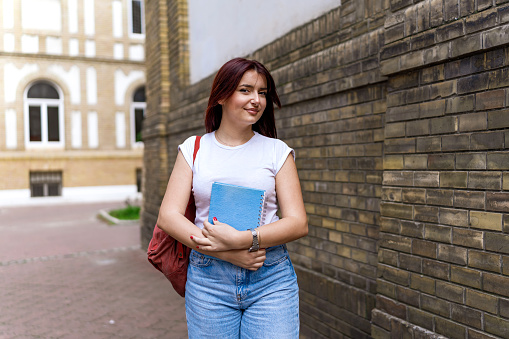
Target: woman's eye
<point x="243" y="90"/>
<point x="263" y="93"/>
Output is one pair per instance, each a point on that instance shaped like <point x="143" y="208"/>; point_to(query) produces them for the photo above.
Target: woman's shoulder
<point x="187" y="147"/>
<point x="277" y="145"/>
<point x="269" y="140"/>
<point x="275" y="150"/>
<point x="188" y="143"/>
<point x="191" y="140"/>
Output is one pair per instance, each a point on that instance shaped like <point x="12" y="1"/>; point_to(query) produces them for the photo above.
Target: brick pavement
<point x="73" y="276"/>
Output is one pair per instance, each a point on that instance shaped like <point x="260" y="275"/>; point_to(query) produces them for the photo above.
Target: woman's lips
<point x="252" y="111"/>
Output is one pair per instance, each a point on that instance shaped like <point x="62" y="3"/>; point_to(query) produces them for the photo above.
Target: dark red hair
<point x="225" y="83"/>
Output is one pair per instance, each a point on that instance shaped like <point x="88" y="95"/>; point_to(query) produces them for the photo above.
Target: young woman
<point x="235" y="287"/>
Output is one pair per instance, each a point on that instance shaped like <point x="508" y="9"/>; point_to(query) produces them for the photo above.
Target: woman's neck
<point x="233" y="137"/>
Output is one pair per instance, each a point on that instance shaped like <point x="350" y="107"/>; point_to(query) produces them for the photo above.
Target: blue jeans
<point x="226" y="301"/>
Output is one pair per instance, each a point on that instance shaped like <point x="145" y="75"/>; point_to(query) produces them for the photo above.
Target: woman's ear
<point x="220" y="102"/>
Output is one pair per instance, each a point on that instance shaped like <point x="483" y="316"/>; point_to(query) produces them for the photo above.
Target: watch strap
<point x="256" y="245"/>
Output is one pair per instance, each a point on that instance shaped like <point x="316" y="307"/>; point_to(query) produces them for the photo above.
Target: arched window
<point x="44" y="123"/>
<point x="138" y="107"/>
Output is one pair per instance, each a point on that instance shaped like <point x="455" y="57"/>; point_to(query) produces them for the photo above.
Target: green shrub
<point x="127" y="213"/>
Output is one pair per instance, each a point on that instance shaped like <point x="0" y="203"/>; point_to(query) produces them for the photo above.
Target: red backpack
<point x="168" y="255"/>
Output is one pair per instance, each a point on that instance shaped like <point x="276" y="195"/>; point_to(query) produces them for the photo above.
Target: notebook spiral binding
<point x="263" y="210"/>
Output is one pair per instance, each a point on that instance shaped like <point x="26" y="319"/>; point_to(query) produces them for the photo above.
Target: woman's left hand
<point x="217" y="237"/>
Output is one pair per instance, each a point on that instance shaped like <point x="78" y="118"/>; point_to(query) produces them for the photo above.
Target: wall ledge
<point x="399" y="328"/>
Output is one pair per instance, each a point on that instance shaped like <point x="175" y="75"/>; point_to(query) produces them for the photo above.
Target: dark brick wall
<point x="397" y="110"/>
<point x="334" y="103"/>
<point x="443" y="235"/>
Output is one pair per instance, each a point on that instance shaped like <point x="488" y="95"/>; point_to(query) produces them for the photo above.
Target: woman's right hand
<point x="243" y="258"/>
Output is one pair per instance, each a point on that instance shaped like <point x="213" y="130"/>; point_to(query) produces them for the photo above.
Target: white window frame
<point x="44" y="103"/>
<point x="136" y="105"/>
<point x="130" y="20"/>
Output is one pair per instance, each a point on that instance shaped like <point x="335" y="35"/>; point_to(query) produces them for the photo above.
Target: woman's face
<point x="246" y="105"/>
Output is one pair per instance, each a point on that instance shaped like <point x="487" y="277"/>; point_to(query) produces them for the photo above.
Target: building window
<point x="44" y="125"/>
<point x="136" y="18"/>
<point x="138" y="107"/>
<point x="138" y="179"/>
<point x="46" y="184"/>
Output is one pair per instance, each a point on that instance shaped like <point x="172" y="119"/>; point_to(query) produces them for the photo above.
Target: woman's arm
<point x="293" y="224"/>
<point x="172" y="220"/>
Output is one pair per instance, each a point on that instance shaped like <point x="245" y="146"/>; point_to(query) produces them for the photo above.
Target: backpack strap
<point x="180" y="246"/>
<point x="196" y="146"/>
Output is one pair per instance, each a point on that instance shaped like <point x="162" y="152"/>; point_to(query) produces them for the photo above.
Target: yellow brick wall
<point x="78" y="169"/>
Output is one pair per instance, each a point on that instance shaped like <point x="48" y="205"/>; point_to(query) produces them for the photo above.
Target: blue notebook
<point x="238" y="206"/>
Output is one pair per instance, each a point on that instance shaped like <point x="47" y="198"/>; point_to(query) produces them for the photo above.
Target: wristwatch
<point x="256" y="246"/>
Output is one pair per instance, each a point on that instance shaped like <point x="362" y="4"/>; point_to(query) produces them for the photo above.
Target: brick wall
<point x="334" y="105"/>
<point x="155" y="171"/>
<point x="443" y="240"/>
<point x="75" y="166"/>
<point x="396" y="110"/>
<point x="164" y="128"/>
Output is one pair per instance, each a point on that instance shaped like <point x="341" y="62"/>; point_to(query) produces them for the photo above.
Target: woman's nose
<point x="256" y="99"/>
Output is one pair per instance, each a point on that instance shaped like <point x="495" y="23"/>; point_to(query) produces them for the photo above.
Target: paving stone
<point x="99" y="286"/>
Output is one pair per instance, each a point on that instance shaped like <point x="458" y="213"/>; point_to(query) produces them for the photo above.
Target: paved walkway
<point x="66" y="274"/>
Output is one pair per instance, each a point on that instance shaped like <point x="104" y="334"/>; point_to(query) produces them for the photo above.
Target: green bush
<point x="127" y="213"/>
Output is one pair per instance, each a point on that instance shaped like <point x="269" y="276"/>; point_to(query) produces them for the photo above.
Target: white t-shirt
<point x="253" y="164"/>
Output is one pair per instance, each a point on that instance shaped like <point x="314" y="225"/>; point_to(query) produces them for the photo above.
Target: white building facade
<point x="245" y="26"/>
<point x="72" y="99"/>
